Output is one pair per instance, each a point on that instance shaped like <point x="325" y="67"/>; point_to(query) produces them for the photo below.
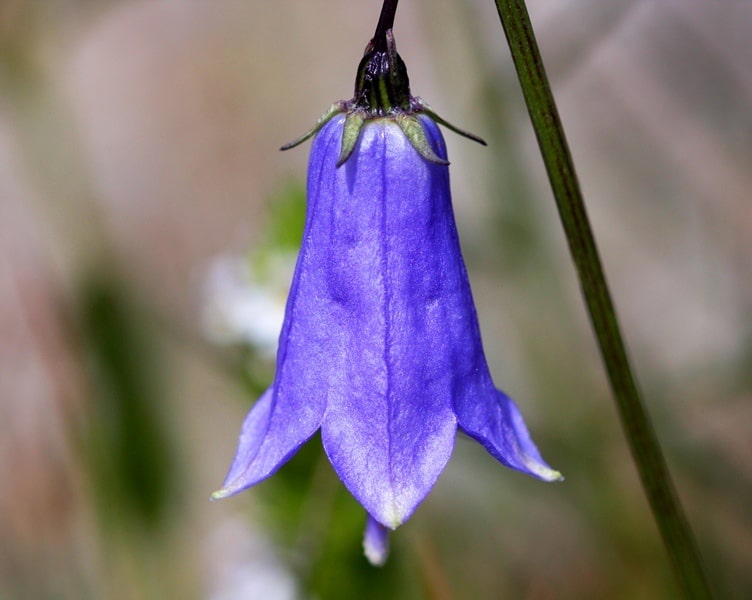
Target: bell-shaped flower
<point x="380" y="347"/>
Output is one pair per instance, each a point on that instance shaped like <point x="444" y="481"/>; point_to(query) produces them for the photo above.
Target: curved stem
<point x="643" y="443"/>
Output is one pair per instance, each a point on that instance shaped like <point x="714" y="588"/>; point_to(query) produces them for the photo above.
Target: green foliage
<point x="319" y="526"/>
<point x="126" y="439"/>
<point x="286" y="217"/>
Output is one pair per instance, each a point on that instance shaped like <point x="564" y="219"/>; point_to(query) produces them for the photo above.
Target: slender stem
<point x="643" y="443"/>
<point x="386" y="22"/>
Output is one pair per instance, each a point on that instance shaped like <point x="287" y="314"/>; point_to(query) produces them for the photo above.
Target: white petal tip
<point x="545" y="473"/>
<point x="220" y="494"/>
<point x="376" y="543"/>
<point x="376" y="558"/>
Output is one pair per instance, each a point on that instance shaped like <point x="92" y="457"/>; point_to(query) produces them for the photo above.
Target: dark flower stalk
<point x="380" y="348"/>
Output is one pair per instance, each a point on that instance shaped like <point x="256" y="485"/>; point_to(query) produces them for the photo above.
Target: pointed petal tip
<point x="392" y="514"/>
<point x="501" y="430"/>
<point x="376" y="542"/>
<point x="229" y="488"/>
<point x="544" y="472"/>
<point x="221" y="494"/>
<point x="375" y="554"/>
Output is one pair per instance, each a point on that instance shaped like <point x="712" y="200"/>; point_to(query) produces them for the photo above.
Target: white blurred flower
<point x="244" y="303"/>
<point x="243" y="565"/>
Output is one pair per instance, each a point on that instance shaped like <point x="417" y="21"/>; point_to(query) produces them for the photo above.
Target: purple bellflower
<point x="380" y="347"/>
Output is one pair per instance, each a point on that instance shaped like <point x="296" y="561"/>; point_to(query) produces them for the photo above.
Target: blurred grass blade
<point x="646" y="452"/>
<point x="128" y="443"/>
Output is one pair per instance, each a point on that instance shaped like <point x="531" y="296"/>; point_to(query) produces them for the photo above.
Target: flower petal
<point x="393" y="286"/>
<point x="290" y="412"/>
<point x="276" y="426"/>
<point x="376" y="542"/>
<point x="252" y="435"/>
<point x="494" y="420"/>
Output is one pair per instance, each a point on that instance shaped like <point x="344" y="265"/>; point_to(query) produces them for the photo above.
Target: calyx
<point x="382" y="91"/>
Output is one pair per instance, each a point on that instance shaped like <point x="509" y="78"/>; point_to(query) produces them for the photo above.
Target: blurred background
<point x="148" y="228"/>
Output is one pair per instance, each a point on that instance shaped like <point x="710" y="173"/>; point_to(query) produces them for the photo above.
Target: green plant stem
<point x="643" y="443"/>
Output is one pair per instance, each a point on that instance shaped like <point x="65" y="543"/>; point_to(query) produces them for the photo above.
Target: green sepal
<point x="416" y="135"/>
<point x="418" y="105"/>
<point x="382" y="91"/>
<point x="335" y="109"/>
<point x="350" y="133"/>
